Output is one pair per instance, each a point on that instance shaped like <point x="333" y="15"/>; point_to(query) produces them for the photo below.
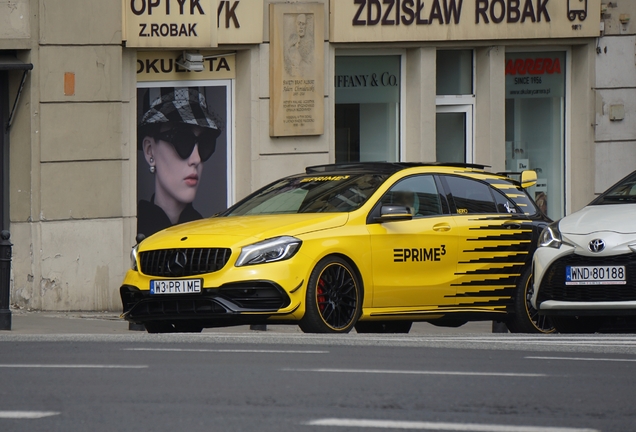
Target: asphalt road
<point x="248" y="381"/>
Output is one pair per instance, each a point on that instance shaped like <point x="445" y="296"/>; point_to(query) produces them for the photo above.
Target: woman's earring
<point x="152" y="169"/>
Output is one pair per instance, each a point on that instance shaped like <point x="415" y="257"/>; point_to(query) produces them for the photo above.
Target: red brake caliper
<point x="320" y="295"/>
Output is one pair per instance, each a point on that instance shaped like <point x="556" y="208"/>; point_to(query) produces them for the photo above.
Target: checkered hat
<point x="180" y="105"/>
<point x="177" y="105"/>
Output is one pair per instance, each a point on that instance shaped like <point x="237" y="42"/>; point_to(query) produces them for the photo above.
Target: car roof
<point x="383" y="167"/>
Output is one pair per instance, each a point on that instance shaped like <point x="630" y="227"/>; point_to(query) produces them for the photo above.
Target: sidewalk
<point x="35" y="322"/>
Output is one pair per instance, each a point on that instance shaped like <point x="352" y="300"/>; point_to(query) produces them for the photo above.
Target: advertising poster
<point x="182" y="152"/>
<point x="541" y="195"/>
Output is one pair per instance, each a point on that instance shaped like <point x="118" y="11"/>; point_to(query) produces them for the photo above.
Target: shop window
<point x="367" y="108"/>
<point x="455" y="100"/>
<point x="535" y="123"/>
<point x="454" y="72"/>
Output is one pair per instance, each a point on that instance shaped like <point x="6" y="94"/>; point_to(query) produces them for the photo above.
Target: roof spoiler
<point x="382" y="166"/>
<point x="527" y="178"/>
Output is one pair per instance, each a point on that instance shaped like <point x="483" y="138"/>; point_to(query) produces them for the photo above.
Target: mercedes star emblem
<point x="176" y="263"/>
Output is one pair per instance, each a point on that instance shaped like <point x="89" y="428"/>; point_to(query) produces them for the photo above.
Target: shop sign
<point x="170" y="23"/>
<point x="192" y="23"/>
<point x="422" y="20"/>
<point x="162" y="66"/>
<point x="536" y="75"/>
<point x="240" y="21"/>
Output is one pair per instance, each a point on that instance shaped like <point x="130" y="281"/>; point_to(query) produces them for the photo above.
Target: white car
<point x="585" y="263"/>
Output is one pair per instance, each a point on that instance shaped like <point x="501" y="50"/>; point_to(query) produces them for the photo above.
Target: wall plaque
<point x="296" y="69"/>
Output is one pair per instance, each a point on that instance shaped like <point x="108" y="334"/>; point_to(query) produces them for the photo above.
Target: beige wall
<point x="73" y="168"/>
<point x="615" y="140"/>
<point x="580" y="130"/>
<point x="67" y="184"/>
<point x="419" y="104"/>
<point x="490" y="133"/>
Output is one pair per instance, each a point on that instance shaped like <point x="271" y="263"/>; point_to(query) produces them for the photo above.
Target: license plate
<point x="595" y="275"/>
<point x="176" y="286"/>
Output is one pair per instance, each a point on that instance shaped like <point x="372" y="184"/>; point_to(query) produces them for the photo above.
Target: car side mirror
<point x="391" y="213"/>
<point x="528" y="178"/>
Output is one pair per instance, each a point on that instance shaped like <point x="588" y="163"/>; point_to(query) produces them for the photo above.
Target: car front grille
<point x="183" y="262"/>
<point x="553" y="285"/>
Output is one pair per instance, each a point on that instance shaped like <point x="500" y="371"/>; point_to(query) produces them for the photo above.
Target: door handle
<point x="515" y="226"/>
<point x="442" y="227"/>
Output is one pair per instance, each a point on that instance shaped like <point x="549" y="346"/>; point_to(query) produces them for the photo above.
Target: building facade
<point x="548" y="85"/>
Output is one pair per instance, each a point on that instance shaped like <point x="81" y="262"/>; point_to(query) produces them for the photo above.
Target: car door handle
<point x="442" y="227"/>
<point x="515" y="226"/>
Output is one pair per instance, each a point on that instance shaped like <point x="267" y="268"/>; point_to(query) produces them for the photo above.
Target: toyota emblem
<point x="597" y="245"/>
<point x="176" y="263"/>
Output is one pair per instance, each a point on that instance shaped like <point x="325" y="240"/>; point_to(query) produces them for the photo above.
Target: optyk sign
<point x="170" y="23"/>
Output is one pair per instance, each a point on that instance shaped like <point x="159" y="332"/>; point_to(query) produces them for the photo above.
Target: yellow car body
<point x="396" y="267"/>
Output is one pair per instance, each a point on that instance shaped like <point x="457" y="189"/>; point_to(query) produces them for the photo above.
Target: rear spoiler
<point x="527" y="178"/>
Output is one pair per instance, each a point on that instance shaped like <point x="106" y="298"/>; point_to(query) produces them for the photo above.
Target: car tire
<point x="383" y="326"/>
<point x="333" y="298"/>
<point x="525" y="318"/>
<point x="578" y="324"/>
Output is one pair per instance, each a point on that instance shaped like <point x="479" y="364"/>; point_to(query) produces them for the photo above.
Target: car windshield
<point x="310" y="194"/>
<point x="622" y="192"/>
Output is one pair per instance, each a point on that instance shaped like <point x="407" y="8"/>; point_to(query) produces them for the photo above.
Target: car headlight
<point x="275" y="249"/>
<point x="551" y="236"/>
<point x="133" y="257"/>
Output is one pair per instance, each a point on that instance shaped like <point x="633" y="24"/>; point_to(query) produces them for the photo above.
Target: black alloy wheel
<point x="334" y="298"/>
<point x="526" y="318"/>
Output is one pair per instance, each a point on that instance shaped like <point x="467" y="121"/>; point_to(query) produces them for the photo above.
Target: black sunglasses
<point x="183" y="140"/>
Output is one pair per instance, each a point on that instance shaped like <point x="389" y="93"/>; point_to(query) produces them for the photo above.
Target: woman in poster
<point x="177" y="133"/>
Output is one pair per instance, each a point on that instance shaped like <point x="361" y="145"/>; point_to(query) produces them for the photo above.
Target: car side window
<point x="504" y="205"/>
<point x="471" y="196"/>
<point x="418" y="193"/>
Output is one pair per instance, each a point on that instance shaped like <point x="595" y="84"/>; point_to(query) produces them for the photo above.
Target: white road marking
<point x="27" y="414"/>
<point x="582" y="359"/>
<point x="415" y="425"/>
<point x="416" y="372"/>
<point x="72" y="366"/>
<point x="229" y="350"/>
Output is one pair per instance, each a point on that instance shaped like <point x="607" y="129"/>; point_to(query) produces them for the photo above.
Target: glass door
<point x="454" y="133"/>
<point x="455" y="99"/>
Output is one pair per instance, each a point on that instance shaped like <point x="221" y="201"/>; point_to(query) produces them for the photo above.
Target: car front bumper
<point x="552" y="296"/>
<point x="234" y="303"/>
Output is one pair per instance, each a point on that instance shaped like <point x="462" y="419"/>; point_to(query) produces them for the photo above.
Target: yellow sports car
<point x="370" y="246"/>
